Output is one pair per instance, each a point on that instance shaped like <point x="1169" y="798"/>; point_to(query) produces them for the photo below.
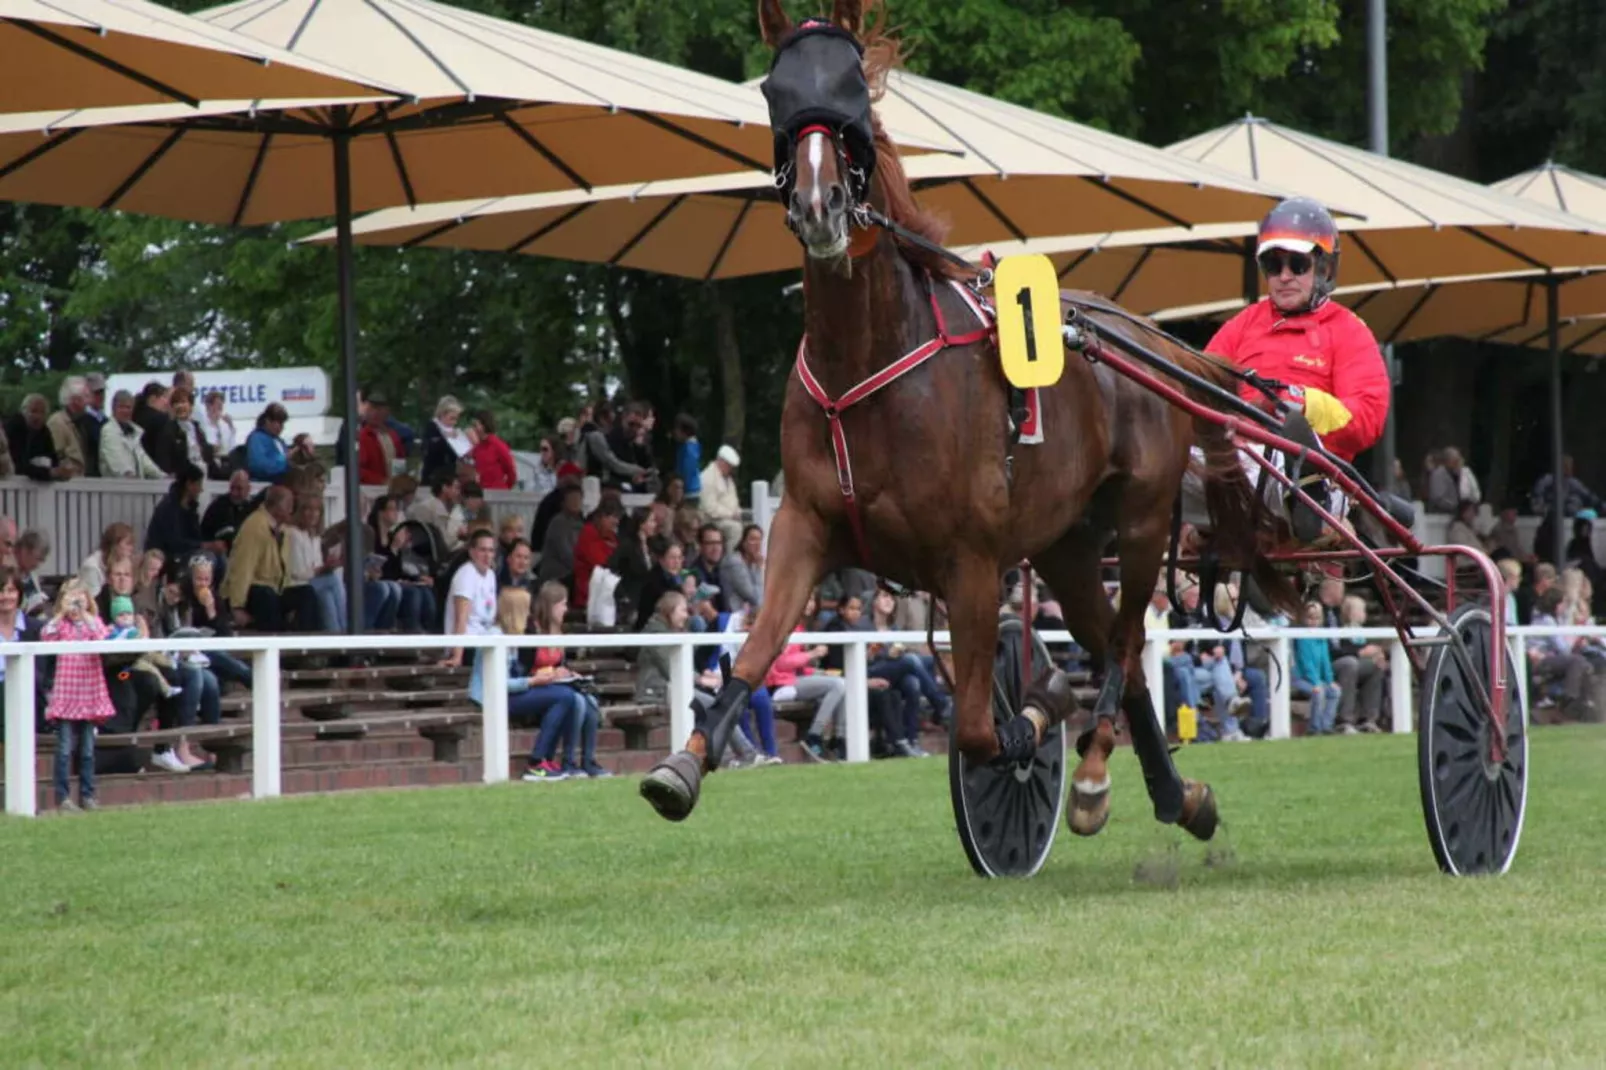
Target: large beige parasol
<point x="491" y="107"/>
<point x="1022" y="173"/>
<point x="1417" y="226"/>
<point x="109" y="53"/>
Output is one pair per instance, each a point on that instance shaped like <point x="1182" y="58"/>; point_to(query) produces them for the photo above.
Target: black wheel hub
<point x="1008" y="812"/>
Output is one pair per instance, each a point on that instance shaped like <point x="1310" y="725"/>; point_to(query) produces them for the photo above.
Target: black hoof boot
<point x="674" y="785"/>
<point x="1199" y="815"/>
<point x="719" y="721"/>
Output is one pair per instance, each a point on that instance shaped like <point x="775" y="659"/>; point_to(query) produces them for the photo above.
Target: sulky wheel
<point x="1472" y="803"/>
<point x="1007" y="814"/>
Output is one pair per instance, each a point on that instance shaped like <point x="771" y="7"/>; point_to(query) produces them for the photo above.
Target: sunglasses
<point x="1272" y="262"/>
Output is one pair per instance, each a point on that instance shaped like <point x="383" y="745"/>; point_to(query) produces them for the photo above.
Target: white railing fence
<point x="20" y="746"/>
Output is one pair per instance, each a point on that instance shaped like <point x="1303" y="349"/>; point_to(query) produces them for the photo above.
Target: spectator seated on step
<point x="31" y="551"/>
<point x="225" y="513"/>
<point x="175" y="527"/>
<point x="570" y="690"/>
<point x="1360" y="665"/>
<point x="667" y="561"/>
<point x="562" y="533"/>
<point x="256" y="584"/>
<point x="795" y="674"/>
<point x="839" y="584"/>
<point x="1555" y="664"/>
<point x="439" y="507"/>
<point x="116" y="541"/>
<point x="471" y="601"/>
<point x="595" y="546"/>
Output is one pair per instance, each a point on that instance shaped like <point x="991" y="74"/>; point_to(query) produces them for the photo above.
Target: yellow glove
<point x="1324" y="412"/>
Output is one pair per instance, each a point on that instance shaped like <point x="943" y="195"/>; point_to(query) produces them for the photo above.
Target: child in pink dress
<point x="79" y="701"/>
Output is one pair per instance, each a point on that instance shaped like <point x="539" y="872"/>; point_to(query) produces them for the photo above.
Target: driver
<point x="1333" y="377"/>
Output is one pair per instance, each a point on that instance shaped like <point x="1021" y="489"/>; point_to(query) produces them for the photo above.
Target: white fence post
<point x="762" y="513"/>
<point x="493" y="708"/>
<point x="1400" y="674"/>
<point x="1154" y="675"/>
<point x="682" y="679"/>
<point x="22" y="793"/>
<point x="1519" y="654"/>
<point x="856" y="711"/>
<point x="1282" y="690"/>
<point x="266" y="755"/>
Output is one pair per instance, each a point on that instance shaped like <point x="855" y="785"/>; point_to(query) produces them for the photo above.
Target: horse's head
<point x="819" y="104"/>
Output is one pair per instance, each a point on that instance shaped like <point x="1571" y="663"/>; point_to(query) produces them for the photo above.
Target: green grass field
<point x="812" y="917"/>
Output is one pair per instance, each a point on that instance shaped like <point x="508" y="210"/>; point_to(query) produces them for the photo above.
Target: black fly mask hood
<point x="817" y="80"/>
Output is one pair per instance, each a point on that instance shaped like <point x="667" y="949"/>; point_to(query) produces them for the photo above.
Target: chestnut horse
<point x="936" y="503"/>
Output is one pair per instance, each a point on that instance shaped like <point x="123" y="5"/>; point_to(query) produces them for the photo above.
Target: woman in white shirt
<point x="446" y="446"/>
<point x="217" y="427"/>
<point x="305" y="564"/>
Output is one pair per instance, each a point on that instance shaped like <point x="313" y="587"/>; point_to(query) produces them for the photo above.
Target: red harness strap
<point x="834" y="408"/>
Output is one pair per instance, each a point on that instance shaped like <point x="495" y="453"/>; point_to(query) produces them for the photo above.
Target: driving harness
<point x="835" y="407"/>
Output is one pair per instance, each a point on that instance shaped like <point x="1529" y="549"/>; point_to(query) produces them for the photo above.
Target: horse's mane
<point x="884" y="53"/>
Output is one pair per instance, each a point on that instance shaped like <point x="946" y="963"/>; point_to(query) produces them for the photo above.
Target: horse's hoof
<point x="1090" y="807"/>
<point x="1199" y="814"/>
<point x="673" y="785"/>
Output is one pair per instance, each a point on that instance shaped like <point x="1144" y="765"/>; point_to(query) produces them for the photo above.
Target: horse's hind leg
<point x="1142" y="546"/>
<point x="798" y="556"/>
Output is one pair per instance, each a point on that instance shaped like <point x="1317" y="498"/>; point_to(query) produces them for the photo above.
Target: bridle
<point x="816" y="85"/>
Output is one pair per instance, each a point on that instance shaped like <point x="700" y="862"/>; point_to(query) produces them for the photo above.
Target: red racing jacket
<point x="1330" y="353"/>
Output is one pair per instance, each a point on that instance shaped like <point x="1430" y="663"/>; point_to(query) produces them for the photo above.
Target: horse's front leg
<point x="797" y="559"/>
<point x="971" y="588"/>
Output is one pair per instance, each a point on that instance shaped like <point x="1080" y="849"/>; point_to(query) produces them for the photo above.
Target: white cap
<point x="729" y="455"/>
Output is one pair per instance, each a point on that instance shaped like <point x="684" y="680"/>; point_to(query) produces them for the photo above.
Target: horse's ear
<point x="773" y="24"/>
<point x="848" y="14"/>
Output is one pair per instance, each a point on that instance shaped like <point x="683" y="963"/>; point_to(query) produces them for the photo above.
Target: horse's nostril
<point x="794" y="205"/>
<point x="838" y="198"/>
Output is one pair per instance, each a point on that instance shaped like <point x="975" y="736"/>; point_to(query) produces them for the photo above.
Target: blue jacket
<point x="265" y="457"/>
<point x="1312" y="661"/>
<point x="689" y="466"/>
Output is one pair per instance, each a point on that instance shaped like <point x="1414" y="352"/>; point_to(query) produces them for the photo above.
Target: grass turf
<point x="811" y="917"/>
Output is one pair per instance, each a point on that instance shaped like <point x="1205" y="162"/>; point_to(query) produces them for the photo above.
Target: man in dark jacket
<point x="226" y="513"/>
<point x="175" y="527"/>
<point x="33" y="450"/>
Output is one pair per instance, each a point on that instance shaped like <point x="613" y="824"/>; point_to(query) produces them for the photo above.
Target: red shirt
<point x="1330" y="349"/>
<point x="593" y="548"/>
<point x="373" y="468"/>
<point x="493" y="461"/>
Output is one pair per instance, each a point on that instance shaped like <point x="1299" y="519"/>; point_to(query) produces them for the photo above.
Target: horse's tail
<point x="1243" y="530"/>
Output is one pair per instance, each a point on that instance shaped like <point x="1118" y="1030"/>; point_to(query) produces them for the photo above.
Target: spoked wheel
<point x="1473" y="803"/>
<point x="1007" y="814"/>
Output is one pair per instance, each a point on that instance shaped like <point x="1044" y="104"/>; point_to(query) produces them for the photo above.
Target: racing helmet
<point x="1301" y="225"/>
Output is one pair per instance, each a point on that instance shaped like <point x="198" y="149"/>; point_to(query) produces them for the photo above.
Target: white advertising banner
<point x="302" y="391"/>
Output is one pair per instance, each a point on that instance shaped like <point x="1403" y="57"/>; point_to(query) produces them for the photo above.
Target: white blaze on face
<point x="816" y="155"/>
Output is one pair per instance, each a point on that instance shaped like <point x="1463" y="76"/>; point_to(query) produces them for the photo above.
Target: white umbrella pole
<point x="356" y="555"/>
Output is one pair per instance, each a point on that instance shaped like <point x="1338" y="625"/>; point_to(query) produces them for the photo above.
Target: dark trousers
<point x="276" y="611"/>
